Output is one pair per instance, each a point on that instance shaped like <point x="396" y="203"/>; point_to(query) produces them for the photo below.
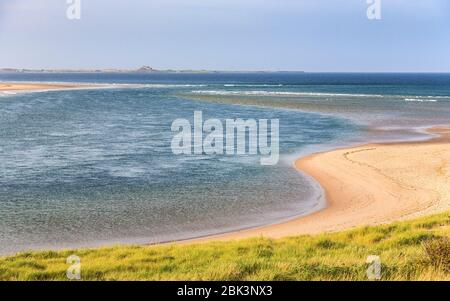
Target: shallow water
<point x="94" y="167"/>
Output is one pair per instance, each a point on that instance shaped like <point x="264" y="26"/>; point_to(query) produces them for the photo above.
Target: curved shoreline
<point x="368" y="185"/>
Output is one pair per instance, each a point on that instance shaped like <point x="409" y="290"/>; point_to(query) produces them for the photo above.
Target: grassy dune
<point x="412" y="250"/>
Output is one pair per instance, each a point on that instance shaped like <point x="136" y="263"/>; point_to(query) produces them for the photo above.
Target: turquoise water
<point x="93" y="167"/>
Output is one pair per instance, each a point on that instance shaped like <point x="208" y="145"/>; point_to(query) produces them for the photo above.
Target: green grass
<point x="412" y="250"/>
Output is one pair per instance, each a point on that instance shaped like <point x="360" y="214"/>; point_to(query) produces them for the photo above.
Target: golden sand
<point x="369" y="185"/>
<point x="10" y="87"/>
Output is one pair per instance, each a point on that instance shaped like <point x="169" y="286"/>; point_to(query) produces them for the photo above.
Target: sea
<point x="94" y="166"/>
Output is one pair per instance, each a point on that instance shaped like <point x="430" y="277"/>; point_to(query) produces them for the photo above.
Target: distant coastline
<point x="143" y="69"/>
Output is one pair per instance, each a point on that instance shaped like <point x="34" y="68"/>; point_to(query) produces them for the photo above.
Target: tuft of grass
<point x="410" y="250"/>
<point x="327" y="244"/>
<point x="438" y="252"/>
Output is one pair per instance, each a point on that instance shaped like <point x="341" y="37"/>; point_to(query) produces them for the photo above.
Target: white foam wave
<point x="279" y="93"/>
<point x="173" y="85"/>
<point x="7" y="93"/>
<point x="421" y="99"/>
<point x="252" y="85"/>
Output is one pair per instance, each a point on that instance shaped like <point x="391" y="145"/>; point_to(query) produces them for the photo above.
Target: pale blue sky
<point x="310" y="35"/>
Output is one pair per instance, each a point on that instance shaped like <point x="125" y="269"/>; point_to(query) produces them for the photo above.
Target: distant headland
<point x="143" y="69"/>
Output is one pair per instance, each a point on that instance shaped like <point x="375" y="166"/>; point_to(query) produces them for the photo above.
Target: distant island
<point x="143" y="69"/>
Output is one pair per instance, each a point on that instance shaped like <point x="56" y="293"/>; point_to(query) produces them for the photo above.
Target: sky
<point x="277" y="35"/>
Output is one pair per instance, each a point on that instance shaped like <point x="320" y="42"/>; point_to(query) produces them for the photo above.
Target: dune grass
<point x="410" y="250"/>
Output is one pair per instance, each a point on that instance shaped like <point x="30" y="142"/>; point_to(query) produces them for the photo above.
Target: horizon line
<point x="152" y="70"/>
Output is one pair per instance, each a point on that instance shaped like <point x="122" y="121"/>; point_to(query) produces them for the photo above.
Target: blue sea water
<point x="94" y="167"/>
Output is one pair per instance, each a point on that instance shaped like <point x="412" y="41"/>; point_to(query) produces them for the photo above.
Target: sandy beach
<point x="370" y="184"/>
<point x="15" y="87"/>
